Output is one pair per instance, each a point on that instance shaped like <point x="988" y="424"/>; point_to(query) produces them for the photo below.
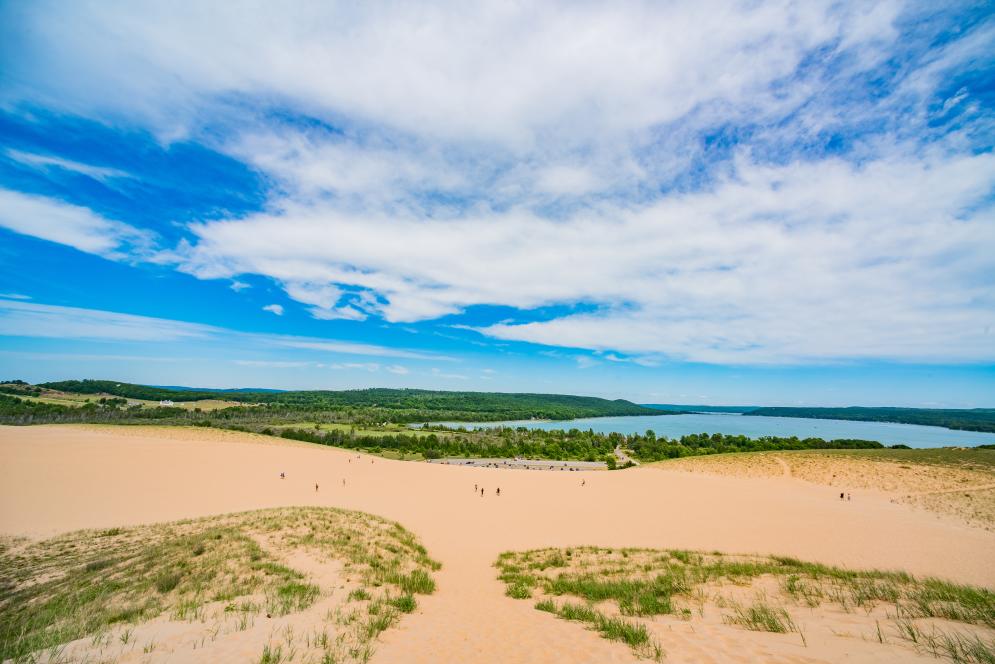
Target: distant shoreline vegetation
<point x="963" y="419"/>
<point x="375" y="420"/>
<point x="379" y="404"/>
<point x="116" y="402"/>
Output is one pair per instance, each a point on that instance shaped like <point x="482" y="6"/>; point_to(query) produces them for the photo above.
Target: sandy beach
<point x="58" y="478"/>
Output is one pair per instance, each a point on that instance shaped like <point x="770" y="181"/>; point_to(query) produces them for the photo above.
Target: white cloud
<point x="238" y="286"/>
<point x="49" y="161"/>
<point x="771" y="261"/>
<point x="572" y="167"/>
<point x="274" y="309"/>
<point x="24" y="319"/>
<point x="397" y="369"/>
<point x="14" y="296"/>
<point x="76" y="226"/>
<point x="563" y="68"/>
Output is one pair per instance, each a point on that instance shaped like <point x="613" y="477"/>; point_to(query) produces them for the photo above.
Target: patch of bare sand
<point x="53" y="479"/>
<point x="964" y="493"/>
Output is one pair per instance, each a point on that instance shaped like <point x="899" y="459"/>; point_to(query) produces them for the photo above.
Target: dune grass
<point x="85" y="583"/>
<point x="642" y="584"/>
<point x="635" y="635"/>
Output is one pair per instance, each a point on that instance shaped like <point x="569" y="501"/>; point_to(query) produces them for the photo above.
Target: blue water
<point x="675" y="426"/>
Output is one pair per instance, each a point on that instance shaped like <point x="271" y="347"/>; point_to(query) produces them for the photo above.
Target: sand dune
<point x="960" y="491"/>
<point x="56" y="478"/>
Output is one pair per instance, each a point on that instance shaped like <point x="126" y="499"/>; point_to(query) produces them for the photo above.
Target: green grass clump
<point x="634" y="635"/>
<point x="404" y="603"/>
<point x="518" y="591"/>
<point x="762" y="617"/>
<point x="292" y="596"/>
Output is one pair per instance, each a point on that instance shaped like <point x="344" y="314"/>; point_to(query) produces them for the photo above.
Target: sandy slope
<point x="964" y="493"/>
<point x="54" y="479"/>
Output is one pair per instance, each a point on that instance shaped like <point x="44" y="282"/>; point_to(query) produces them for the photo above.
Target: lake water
<point x="675" y="426"/>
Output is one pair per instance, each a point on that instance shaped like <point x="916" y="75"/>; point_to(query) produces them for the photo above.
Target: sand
<point x="59" y="478"/>
<point x="965" y="494"/>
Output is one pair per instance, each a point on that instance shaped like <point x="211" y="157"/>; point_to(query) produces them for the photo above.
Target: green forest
<point x="385" y="405"/>
<point x="507" y="442"/>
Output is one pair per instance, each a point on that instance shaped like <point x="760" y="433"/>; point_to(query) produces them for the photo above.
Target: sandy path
<point x="54" y="479"/>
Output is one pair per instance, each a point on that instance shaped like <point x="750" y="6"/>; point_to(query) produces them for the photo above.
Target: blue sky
<point x="757" y="203"/>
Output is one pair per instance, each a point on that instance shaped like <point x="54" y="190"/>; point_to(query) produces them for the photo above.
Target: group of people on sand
<point x="481" y="490"/>
<point x="842" y="494"/>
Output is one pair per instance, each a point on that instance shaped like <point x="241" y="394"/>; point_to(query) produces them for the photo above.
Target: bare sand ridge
<point x="965" y="492"/>
<point x="57" y="478"/>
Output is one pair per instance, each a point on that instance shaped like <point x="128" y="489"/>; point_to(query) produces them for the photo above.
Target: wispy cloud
<point x="273" y="364"/>
<point x="49" y="161"/>
<point x="439" y="373"/>
<point x="372" y="367"/>
<point x="586" y="361"/>
<point x="91" y="357"/>
<point x="72" y="225"/>
<point x="28" y="319"/>
<point x="350" y="348"/>
<point x="25" y="319"/>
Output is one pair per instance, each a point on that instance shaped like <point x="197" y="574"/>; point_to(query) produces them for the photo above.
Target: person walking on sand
<point x="475" y="487"/>
<point x="315" y="487"/>
<point x="848" y="497"/>
<point x="499" y="491"/>
<point x="481" y="492"/>
<point x="841" y="495"/>
<point x="583" y="482"/>
<point x="282" y="476"/>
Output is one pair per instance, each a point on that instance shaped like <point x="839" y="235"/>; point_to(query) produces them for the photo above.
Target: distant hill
<point x="182" y="388"/>
<point x="685" y="408"/>
<point x="397" y="404"/>
<point x="974" y="419"/>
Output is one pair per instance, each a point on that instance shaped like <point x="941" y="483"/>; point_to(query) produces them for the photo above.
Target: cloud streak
<point x="72" y="225"/>
<point x="28" y="319"/>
